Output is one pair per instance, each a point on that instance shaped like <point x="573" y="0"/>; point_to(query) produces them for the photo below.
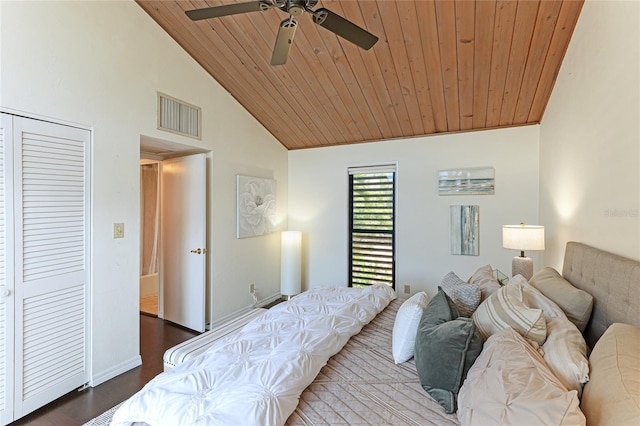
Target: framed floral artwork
<point x="256" y="206"/>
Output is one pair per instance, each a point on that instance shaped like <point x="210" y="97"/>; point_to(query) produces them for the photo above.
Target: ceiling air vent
<point x="179" y="117"/>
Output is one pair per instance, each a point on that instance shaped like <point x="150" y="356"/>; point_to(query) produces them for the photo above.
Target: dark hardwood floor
<point x="78" y="407"/>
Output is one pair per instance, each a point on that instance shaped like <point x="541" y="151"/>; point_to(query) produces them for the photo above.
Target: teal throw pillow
<point x="446" y="347"/>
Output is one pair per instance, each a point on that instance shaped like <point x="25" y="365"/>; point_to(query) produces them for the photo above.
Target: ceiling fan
<point x="323" y="17"/>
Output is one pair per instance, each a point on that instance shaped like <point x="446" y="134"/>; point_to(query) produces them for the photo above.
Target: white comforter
<point x="257" y="376"/>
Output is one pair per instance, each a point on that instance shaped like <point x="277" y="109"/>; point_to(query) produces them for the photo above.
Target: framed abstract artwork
<point x="470" y="181"/>
<point x="465" y="222"/>
<point x="256" y="206"/>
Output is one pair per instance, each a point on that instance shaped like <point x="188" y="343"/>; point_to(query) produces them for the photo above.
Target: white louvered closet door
<point x="6" y="271"/>
<point x="51" y="280"/>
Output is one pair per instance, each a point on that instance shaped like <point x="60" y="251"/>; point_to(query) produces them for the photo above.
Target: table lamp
<point x="522" y="237"/>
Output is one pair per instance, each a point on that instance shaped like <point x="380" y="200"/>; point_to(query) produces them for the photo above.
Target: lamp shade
<point x="523" y="237"/>
<point x="291" y="263"/>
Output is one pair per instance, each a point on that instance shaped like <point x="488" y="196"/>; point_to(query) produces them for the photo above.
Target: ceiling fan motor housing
<point x="298" y="7"/>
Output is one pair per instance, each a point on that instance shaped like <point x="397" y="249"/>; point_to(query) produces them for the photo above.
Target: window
<point x="372" y="225"/>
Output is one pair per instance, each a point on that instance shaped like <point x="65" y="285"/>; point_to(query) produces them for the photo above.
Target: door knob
<point x="199" y="251"/>
<point x="5" y="293"/>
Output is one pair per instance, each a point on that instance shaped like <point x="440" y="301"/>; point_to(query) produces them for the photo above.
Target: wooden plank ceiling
<point x="440" y="66"/>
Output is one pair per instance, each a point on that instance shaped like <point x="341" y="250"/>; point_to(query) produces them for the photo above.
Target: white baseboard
<point x="268" y="300"/>
<point x="109" y="374"/>
<point x="230" y="317"/>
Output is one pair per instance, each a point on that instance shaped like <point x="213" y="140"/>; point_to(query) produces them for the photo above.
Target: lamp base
<point x="523" y="266"/>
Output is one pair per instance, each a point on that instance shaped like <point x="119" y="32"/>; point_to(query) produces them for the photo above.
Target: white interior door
<point x="6" y="271"/>
<point x="51" y="222"/>
<point x="183" y="236"/>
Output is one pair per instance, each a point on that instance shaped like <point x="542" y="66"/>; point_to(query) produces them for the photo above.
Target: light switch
<point x="118" y="230"/>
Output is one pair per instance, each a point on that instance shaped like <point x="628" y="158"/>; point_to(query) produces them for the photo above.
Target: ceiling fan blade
<point x="283" y="41"/>
<point x="228" y="9"/>
<point x="344" y="28"/>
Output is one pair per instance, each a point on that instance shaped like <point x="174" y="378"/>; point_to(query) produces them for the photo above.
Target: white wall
<point x="100" y="64"/>
<point x="590" y="136"/>
<point x="318" y="202"/>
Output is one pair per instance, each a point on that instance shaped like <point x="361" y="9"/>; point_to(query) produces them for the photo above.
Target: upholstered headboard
<point x="612" y="280"/>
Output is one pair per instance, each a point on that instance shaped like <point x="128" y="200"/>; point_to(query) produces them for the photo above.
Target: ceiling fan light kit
<point x="322" y="17"/>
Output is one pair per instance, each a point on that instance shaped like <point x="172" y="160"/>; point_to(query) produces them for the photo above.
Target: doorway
<point x="149" y="236"/>
<point x="173" y="232"/>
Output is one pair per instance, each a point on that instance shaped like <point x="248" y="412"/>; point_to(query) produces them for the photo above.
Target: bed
<point x="359" y="383"/>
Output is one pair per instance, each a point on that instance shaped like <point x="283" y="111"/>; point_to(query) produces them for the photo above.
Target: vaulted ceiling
<point x="439" y="66"/>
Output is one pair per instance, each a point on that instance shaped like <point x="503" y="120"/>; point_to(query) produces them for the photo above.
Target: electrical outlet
<point x="118" y="230"/>
<point x="407" y="289"/>
<point x="252" y="288"/>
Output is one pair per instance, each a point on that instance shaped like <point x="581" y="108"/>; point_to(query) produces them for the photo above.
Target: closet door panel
<point x="6" y="270"/>
<point x="50" y="176"/>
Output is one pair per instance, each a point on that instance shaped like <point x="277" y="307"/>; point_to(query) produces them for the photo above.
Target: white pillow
<point x="510" y="384"/>
<point x="565" y="352"/>
<point x="466" y="296"/>
<point x="405" y="327"/>
<point x="485" y="280"/>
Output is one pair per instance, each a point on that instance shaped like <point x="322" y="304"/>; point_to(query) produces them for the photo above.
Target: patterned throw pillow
<point x="466" y="296"/>
<point x="508" y="307"/>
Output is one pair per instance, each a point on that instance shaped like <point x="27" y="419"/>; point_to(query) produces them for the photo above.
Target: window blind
<point x="372" y="226"/>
